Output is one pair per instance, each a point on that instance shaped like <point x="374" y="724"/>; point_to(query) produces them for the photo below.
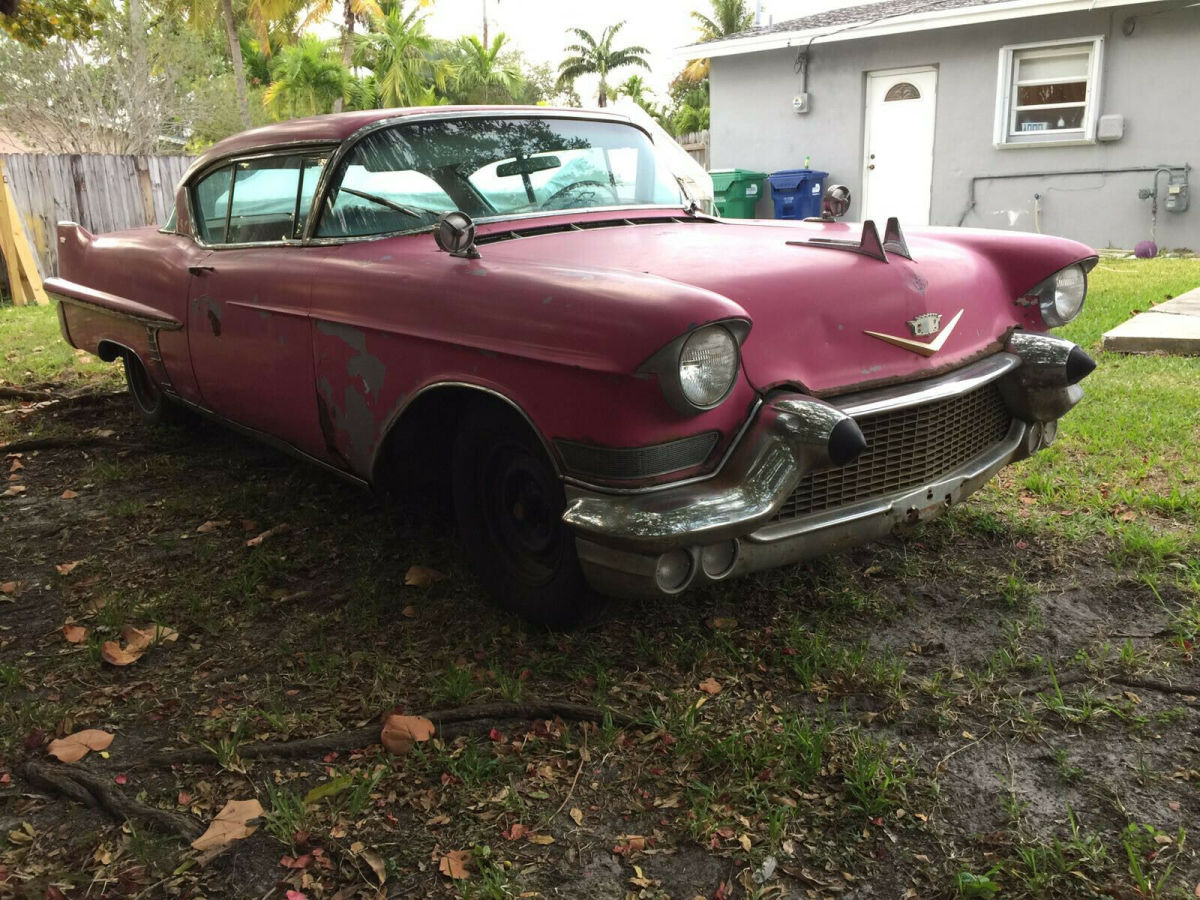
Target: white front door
<point x="898" y="155"/>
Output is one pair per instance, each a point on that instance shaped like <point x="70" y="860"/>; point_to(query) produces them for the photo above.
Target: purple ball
<point x="1145" y="250"/>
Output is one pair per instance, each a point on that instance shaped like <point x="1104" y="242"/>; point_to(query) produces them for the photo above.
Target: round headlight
<point x="1063" y="302"/>
<point x="708" y="366"/>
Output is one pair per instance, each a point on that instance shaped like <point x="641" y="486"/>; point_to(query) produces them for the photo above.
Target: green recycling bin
<point x="736" y="191"/>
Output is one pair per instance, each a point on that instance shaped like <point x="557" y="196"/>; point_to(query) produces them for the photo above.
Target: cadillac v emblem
<point x="925" y="325"/>
<point x="922" y="325"/>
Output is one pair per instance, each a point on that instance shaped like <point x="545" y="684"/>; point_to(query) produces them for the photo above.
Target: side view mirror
<point x="454" y="232"/>
<point x="836" y="202"/>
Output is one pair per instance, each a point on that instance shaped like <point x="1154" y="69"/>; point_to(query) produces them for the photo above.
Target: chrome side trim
<point x="271" y="441"/>
<point x="107" y="304"/>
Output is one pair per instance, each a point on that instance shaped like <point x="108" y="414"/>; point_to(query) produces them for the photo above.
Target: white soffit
<point x="897" y="24"/>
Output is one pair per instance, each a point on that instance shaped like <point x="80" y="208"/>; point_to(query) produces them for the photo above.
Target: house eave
<point x="924" y="21"/>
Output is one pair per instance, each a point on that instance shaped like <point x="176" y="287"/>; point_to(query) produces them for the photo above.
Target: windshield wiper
<point x="415" y="212"/>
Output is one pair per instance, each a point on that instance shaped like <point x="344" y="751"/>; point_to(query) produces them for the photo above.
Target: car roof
<point x="335" y="128"/>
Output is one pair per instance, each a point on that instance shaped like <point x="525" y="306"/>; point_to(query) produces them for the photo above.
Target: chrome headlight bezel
<point x="1060" y="297"/>
<point x="667" y="364"/>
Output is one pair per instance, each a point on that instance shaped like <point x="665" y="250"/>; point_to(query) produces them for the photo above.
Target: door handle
<point x="200" y="270"/>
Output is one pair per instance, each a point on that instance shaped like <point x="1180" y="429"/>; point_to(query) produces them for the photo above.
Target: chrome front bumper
<point x="639" y="543"/>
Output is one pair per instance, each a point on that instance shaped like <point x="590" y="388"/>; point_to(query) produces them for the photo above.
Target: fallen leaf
<point x="75" y="634"/>
<point x="375" y="861"/>
<point x="13" y="490"/>
<point x="270" y="532"/>
<point x="212" y="526"/>
<point x="540" y="839"/>
<point x="141" y="638"/>
<point x="454" y="864"/>
<point x="16" y="466"/>
<point x="68" y="495"/>
<point x="409" y="612"/>
<point x="721" y="623"/>
<point x="104" y="432"/>
<point x="514" y="832"/>
<point x="113" y="654"/>
<point x="419" y="576"/>
<point x="9" y="587"/>
<point x="67" y="568"/>
<point x="121" y="779"/>
<point x="577" y="815"/>
<point x="184" y="798"/>
<point x="401" y="732"/>
<point x="710" y="686"/>
<point x="75" y="747"/>
<point x="296" y="895"/>
<point x="231" y="824"/>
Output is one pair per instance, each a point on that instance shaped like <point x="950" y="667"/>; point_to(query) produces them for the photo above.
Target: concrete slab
<point x="1172" y="327"/>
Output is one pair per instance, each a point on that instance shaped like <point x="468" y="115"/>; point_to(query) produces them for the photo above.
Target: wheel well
<point x="417" y="450"/>
<point x="109" y="351"/>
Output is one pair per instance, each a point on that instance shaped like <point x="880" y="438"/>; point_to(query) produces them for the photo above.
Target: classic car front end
<point x="626" y="396"/>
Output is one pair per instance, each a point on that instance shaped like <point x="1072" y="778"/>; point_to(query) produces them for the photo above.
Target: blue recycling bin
<point x="797" y="192"/>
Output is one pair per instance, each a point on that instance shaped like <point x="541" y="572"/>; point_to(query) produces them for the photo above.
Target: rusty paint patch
<point x="370" y="368"/>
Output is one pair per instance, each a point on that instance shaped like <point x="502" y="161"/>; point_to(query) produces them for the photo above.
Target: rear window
<point x="254" y="201"/>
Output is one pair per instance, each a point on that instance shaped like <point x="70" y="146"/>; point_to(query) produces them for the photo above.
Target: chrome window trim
<point x="192" y="178"/>
<point x="350" y="142"/>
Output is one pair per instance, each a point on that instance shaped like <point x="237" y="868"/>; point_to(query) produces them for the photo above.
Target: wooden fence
<point x="696" y="144"/>
<point x="102" y="192"/>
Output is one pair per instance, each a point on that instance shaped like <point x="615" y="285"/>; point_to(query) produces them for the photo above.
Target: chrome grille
<point x="905" y="449"/>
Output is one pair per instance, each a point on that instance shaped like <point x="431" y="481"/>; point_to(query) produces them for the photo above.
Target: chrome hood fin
<point x="868" y="244"/>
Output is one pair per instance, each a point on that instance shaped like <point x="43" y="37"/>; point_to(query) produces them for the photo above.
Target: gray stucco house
<point x="1051" y="115"/>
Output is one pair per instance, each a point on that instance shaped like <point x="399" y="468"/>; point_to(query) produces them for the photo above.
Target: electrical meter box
<point x="1177" y="197"/>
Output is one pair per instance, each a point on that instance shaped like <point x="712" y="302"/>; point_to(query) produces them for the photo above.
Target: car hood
<point x="812" y="306"/>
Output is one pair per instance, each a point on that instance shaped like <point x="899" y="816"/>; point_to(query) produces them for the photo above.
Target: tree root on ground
<point x="1145" y="684"/>
<point x="478" y="719"/>
<point x="59" y="443"/>
<point x="94" y="792"/>
<point x="82" y="398"/>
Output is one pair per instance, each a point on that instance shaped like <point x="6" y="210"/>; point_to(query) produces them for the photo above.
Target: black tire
<point x="147" y="396"/>
<point x="509" y="504"/>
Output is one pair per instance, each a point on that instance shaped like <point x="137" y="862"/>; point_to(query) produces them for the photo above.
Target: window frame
<point x="1003" y="138"/>
<point x="328" y="150"/>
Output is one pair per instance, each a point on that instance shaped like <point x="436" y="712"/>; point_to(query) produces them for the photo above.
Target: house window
<point x="1048" y="93"/>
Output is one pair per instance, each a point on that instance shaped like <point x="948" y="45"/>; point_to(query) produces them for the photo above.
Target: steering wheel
<point x="576" y="185"/>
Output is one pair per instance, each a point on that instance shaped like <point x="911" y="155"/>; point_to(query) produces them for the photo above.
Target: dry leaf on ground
<point x="710" y="686"/>
<point x="721" y="623"/>
<point x="401" y="732"/>
<point x="8" y="587"/>
<point x="66" y="568"/>
<point x="16" y="466"/>
<point x="577" y="815"/>
<point x="419" y="576"/>
<point x="75" y="747"/>
<point x="270" y="532"/>
<point x="68" y="495"/>
<point x="454" y="864"/>
<point x="75" y="634"/>
<point x="375" y="861"/>
<point x="13" y="490"/>
<point x="137" y="641"/>
<point x="231" y="824"/>
<point x="212" y="526"/>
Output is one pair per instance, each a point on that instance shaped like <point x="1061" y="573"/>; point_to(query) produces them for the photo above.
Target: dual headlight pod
<point x="1060" y="297"/>
<point x="698" y="370"/>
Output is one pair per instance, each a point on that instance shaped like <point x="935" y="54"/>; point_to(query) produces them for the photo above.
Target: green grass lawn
<point x="999" y="703"/>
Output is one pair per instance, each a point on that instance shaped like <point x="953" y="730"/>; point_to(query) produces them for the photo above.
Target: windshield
<point x="403" y="177"/>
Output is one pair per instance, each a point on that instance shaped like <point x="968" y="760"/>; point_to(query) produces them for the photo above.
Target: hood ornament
<point x="869" y="242"/>
<point x="926" y="323"/>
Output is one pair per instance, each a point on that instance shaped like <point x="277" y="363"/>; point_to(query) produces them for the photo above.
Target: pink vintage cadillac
<point x="625" y="396"/>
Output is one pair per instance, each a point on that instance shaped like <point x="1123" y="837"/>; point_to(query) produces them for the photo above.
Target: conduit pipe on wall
<point x="975" y="179"/>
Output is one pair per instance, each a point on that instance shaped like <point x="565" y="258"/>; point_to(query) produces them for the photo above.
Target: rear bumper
<point x="744" y="517"/>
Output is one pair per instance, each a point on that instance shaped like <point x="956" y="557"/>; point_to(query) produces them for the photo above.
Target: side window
<point x="211" y="199"/>
<point x="257" y="200"/>
<point x="380" y="189"/>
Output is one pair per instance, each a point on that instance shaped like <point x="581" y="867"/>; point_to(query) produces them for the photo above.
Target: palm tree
<point x="728" y="17"/>
<point x="634" y="87"/>
<point x="306" y="79"/>
<point x="352" y="11"/>
<point x="396" y="50"/>
<point x="594" y="57"/>
<point x="482" y="77"/>
<point x="260" y="15"/>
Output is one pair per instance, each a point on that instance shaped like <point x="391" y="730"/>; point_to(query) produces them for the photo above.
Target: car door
<point x="248" y="323"/>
